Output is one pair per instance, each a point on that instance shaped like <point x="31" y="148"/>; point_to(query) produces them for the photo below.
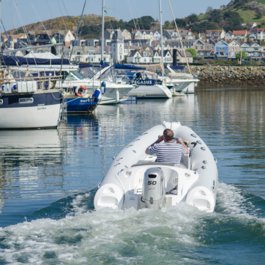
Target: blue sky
<point x="21" y="12"/>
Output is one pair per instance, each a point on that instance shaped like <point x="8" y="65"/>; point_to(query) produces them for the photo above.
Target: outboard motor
<point x="154" y="188"/>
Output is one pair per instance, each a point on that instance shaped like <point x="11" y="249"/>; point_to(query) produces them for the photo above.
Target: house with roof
<point x="204" y="49"/>
<point x="184" y="56"/>
<point x="167" y="57"/>
<point x="89" y="55"/>
<point x="126" y="34"/>
<point x="171" y="34"/>
<point x="137" y="57"/>
<point x="141" y="35"/>
<point x="92" y="42"/>
<point x="156" y="36"/>
<point x="245" y="47"/>
<point x="156" y="57"/>
<point x="221" y="49"/>
<point x="233" y="49"/>
<point x="214" y="34"/>
<point x="260" y="33"/>
<point x="240" y="35"/>
<point x="228" y="36"/>
<point x="254" y="50"/>
<point x="108" y="34"/>
<point x="68" y="38"/>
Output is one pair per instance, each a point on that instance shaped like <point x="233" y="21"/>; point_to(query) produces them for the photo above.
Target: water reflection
<point x="236" y="120"/>
<point x="79" y="129"/>
<point x="239" y="113"/>
<point x="28" y="159"/>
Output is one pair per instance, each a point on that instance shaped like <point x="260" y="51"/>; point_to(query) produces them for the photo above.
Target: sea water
<point x="49" y="178"/>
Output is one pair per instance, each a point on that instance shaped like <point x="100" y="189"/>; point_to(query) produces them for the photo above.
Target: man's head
<point x="168" y="134"/>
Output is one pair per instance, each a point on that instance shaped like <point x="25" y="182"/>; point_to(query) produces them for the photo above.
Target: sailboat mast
<point x="1" y="49"/>
<point x="102" y="30"/>
<point x="161" y="37"/>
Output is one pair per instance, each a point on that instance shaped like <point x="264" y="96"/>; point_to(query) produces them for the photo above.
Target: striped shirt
<point x="169" y="152"/>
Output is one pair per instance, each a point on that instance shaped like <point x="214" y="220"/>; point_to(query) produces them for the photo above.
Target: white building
<point x="117" y="47"/>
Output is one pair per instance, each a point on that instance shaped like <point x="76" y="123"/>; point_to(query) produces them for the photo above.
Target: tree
<point x="231" y="21"/>
<point x="191" y="19"/>
<point x="192" y="51"/>
<point x="241" y="56"/>
<point x="145" y="22"/>
<point x="180" y="22"/>
<point x="203" y="26"/>
<point x="215" y="15"/>
<point x="168" y="25"/>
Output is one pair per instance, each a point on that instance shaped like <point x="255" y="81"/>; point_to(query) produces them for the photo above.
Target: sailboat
<point x="110" y="89"/>
<point x="26" y="103"/>
<point x="180" y="83"/>
<point x="150" y="85"/>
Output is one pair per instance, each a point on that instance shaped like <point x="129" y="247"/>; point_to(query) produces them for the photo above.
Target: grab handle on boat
<point x="194" y="144"/>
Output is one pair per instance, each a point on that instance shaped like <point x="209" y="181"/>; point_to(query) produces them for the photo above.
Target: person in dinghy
<point x="167" y="148"/>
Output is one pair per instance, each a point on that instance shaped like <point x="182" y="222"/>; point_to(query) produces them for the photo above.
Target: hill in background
<point x="238" y="14"/>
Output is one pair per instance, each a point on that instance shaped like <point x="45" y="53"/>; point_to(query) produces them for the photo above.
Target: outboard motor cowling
<point x="153" y="188"/>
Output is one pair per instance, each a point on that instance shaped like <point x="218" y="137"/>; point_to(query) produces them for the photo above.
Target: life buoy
<point x="81" y="91"/>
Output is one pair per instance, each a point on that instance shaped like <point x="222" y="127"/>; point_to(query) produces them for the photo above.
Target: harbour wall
<point x="229" y="75"/>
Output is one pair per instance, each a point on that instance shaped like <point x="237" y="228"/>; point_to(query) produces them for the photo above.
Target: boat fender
<point x="97" y="95"/>
<point x="80" y="91"/>
<point x="14" y="87"/>
<point x="103" y="87"/>
<point x="153" y="188"/>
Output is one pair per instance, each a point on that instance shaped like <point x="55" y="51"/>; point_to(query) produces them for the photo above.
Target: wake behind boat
<point x="135" y="180"/>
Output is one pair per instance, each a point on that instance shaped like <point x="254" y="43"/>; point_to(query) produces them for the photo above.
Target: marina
<point x="49" y="179"/>
<point x="132" y="138"/>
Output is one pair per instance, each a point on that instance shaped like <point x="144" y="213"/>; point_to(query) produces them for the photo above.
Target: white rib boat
<point x="135" y="180"/>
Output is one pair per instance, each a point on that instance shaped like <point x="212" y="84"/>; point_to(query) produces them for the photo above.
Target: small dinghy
<point x="135" y="180"/>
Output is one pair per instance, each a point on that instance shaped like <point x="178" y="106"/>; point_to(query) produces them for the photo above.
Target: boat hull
<point x="187" y="87"/>
<point x="74" y="105"/>
<point x="153" y="91"/>
<point x="30" y="110"/>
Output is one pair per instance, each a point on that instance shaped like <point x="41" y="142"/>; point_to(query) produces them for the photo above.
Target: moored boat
<point x="135" y="180"/>
<point x="75" y="104"/>
<point x="148" y="85"/>
<point x="81" y="100"/>
<point x="25" y="104"/>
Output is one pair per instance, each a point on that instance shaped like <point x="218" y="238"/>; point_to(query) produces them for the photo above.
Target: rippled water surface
<point x="49" y="177"/>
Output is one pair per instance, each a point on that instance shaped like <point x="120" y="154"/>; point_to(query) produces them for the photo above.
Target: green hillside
<point x="237" y="14"/>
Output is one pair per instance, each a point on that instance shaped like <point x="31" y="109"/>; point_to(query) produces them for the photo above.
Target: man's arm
<point x="184" y="146"/>
<point x="160" y="139"/>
